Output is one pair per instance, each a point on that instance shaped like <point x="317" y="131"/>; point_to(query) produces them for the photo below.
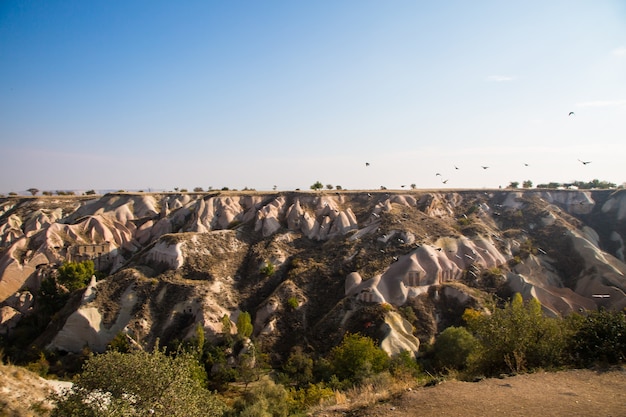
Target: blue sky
<point x="161" y="94"/>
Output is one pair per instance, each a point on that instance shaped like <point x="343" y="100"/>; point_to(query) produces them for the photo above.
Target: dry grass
<point x="379" y="388"/>
<point x="22" y="393"/>
<point x="565" y="393"/>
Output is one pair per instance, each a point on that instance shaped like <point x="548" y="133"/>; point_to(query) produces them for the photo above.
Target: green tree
<point x="33" y="191"/>
<point x="54" y="291"/>
<point x="200" y="338"/>
<point x="76" y="275"/>
<point x="527" y="184"/>
<point x="453" y="348"/>
<point x="299" y="367"/>
<point x="317" y="186"/>
<point x="244" y="325"/>
<point x="513" y="184"/>
<point x="357" y="357"/>
<point x="600" y="338"/>
<point x="138" y="384"/>
<point x="516" y="338"/>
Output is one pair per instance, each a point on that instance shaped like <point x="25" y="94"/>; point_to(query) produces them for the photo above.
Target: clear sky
<point x="163" y="94"/>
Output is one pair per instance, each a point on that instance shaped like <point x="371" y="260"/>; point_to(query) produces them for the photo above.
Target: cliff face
<point x="309" y="266"/>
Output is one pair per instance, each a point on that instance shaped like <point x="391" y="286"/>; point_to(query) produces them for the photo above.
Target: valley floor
<point x="566" y="393"/>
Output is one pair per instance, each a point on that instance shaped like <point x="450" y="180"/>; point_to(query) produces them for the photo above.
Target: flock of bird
<point x="484" y="167"/>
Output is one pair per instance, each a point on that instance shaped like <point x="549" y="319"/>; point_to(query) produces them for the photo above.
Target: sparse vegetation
<point x="293" y="302"/>
<point x="317" y="186"/>
<point x="268" y="269"/>
<point x="593" y="184"/>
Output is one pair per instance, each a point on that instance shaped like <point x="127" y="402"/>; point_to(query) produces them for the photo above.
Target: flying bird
<point x="525" y="164"/>
<point x="456" y="167"/>
<point x="584" y="162"/>
<point x="437" y="175"/>
<point x="445" y="181"/>
<point x="571" y="114"/>
<point x="367" y="164"/>
<point x="484" y="167"/>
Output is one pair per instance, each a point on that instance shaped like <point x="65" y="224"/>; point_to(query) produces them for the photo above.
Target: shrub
<point x="265" y="399"/>
<point x="268" y="270"/>
<point x="293" y="302"/>
<point x="76" y="275"/>
<point x="404" y="365"/>
<point x="516" y="337"/>
<point x="314" y="394"/>
<point x="299" y="367"/>
<point x="244" y="325"/>
<point x="119" y="343"/>
<point x="453" y="348"/>
<point x="601" y="338"/>
<point x="138" y="384"/>
<point x="357" y="357"/>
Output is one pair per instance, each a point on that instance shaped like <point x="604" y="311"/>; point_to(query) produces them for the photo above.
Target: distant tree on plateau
<point x="527" y="184"/>
<point x="33" y="191"/>
<point x="317" y="186"/>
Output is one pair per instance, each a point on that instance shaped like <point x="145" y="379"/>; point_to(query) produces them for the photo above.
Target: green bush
<point x="516" y="338"/>
<point x="138" y="384"/>
<point x="293" y="302"/>
<point x="265" y="399"/>
<point x="404" y="365"/>
<point x="453" y="348"/>
<point x="600" y="338"/>
<point x="76" y="275"/>
<point x="302" y="398"/>
<point x="299" y="367"/>
<point x="268" y="270"/>
<point x="356" y="358"/>
<point x="244" y="325"/>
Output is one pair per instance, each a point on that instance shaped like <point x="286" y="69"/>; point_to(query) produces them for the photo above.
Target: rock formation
<point x="176" y="260"/>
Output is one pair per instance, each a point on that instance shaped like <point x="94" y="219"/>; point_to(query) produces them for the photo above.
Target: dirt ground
<point x="567" y="393"/>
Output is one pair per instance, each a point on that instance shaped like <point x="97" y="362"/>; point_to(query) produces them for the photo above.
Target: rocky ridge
<point x="308" y="265"/>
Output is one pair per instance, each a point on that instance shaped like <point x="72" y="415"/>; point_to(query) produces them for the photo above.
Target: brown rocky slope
<point x="308" y="266"/>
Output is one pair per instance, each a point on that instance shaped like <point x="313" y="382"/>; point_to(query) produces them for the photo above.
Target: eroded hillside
<point x="398" y="266"/>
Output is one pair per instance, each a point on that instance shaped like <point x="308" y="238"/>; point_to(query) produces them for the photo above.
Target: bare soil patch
<point x="566" y="393"/>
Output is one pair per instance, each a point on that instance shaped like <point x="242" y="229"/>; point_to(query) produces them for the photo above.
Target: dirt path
<point x="568" y="393"/>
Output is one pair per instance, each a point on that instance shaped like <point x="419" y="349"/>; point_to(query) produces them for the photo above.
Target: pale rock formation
<point x="398" y="336"/>
<point x="577" y="202"/>
<point x="165" y="253"/>
<point x="423" y="267"/>
<point x="84" y="327"/>
<point x="536" y="278"/>
<point x="616" y="204"/>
